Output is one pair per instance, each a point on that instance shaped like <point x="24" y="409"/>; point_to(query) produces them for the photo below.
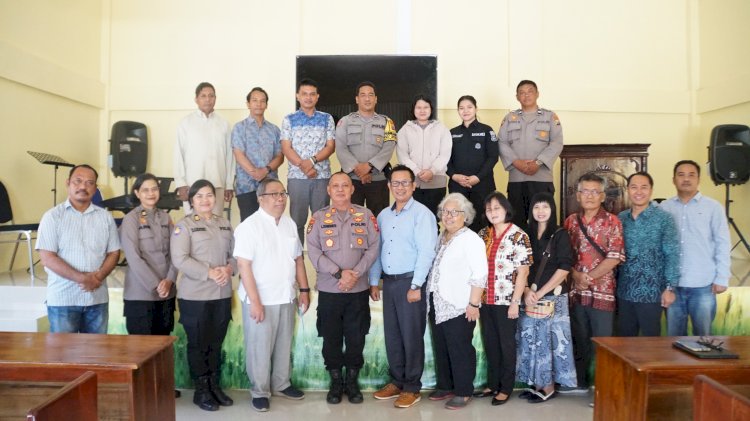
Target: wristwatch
<point x="372" y="167"/>
<point x="414" y="287"/>
<point x="475" y="305"/>
<point x="517" y="302"/>
<point x="268" y="167"/>
<point x="539" y="162"/>
<point x="337" y="275"/>
<point x="669" y="288"/>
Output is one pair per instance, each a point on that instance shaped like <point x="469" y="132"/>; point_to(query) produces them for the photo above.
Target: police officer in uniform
<point x="473" y="157"/>
<point x="531" y="139"/>
<point x="202" y="246"/>
<point x="342" y="243"/>
<point x="364" y="145"/>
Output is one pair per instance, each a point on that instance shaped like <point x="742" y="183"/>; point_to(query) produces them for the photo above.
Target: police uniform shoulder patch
<point x="390" y="131"/>
<point x="556" y="119"/>
<point x="374" y="223"/>
<point x="493" y="136"/>
<point x="177" y="230"/>
<point x="310" y="225"/>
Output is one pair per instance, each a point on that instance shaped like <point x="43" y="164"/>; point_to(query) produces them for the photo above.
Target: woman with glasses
<point x="473" y="157"/>
<point x="509" y="255"/>
<point x="454" y="291"/>
<point x="202" y="245"/>
<point x="545" y="348"/>
<point x="424" y="145"/>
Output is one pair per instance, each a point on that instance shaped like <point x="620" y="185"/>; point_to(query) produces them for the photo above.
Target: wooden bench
<point x="75" y="401"/>
<point x="714" y="401"/>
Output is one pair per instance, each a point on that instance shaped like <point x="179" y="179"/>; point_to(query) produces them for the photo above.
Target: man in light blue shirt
<point x="408" y="238"/>
<point x="79" y="246"/>
<point x="704" y="253"/>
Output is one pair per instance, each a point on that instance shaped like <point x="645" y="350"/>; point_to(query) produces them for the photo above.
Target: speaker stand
<point x="742" y="240"/>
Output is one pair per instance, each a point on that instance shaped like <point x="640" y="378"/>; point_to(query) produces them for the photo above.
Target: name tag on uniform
<point x="197" y="229"/>
<point x="457" y="136"/>
<point x="143" y="227"/>
<point x="477" y="134"/>
<point x="225" y="228"/>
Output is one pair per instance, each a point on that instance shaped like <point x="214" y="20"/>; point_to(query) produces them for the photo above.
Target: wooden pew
<point x="76" y="401"/>
<point x="714" y="401"/>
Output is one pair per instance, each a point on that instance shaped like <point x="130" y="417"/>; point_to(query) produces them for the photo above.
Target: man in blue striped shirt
<point x="408" y="239"/>
<point x="651" y="271"/>
<point x="79" y="246"/>
<point x="704" y="253"/>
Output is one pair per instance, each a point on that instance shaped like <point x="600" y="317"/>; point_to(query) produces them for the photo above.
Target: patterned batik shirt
<point x="308" y="135"/>
<point x="606" y="230"/>
<point x="504" y="256"/>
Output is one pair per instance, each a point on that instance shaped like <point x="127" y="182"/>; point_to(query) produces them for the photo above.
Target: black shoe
<point x="351" y="385"/>
<point x="526" y="394"/>
<point x="540" y="396"/>
<point x="177" y="394"/>
<point x="336" y="388"/>
<point x="484" y="394"/>
<point x="261" y="404"/>
<point x="290" y="393"/>
<point x="498" y="402"/>
<point x="219" y="395"/>
<point x="203" y="396"/>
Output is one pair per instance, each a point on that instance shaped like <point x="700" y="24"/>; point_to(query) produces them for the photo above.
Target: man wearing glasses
<point x="597" y="240"/>
<point x="79" y="246"/>
<point x="343" y="243"/>
<point x="408" y="238"/>
<point x="269" y="257"/>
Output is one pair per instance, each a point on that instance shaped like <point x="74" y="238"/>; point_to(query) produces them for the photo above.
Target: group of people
<point x="540" y="290"/>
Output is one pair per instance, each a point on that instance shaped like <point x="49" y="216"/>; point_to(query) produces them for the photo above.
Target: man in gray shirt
<point x="364" y="145"/>
<point x="79" y="246"/>
<point x="531" y="139"/>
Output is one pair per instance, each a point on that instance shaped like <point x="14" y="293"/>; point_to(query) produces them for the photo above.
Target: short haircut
<point x="197" y="186"/>
<point x="257" y="89"/>
<point x="463" y="204"/>
<point x="87" y="166"/>
<point x="526" y="82"/>
<point x="307" y="82"/>
<point x="366" y="83"/>
<point x="203" y="85"/>
<point x="642" y="174"/>
<point x="261" y="190"/>
<point x="139" y="182"/>
<point x="686" y="161"/>
<point x="340" y="172"/>
<point x="426" y="99"/>
<point x="592" y="177"/>
<point x="503" y="201"/>
<point x="466" y="98"/>
<point x="402" y="167"/>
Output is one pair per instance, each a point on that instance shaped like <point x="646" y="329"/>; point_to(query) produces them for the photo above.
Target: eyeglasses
<point x="454" y="212"/>
<point x="276" y="195"/>
<point x="711" y="343"/>
<point x="405" y="183"/>
<point x="589" y="192"/>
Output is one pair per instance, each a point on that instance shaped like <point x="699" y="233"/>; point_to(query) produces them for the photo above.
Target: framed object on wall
<point x="614" y="162"/>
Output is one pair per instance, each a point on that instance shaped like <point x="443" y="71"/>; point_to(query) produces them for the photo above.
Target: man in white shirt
<point x="269" y="257"/>
<point x="204" y="150"/>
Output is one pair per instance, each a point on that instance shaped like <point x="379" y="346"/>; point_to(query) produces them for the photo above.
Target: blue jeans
<point x="78" y="319"/>
<point x="699" y="304"/>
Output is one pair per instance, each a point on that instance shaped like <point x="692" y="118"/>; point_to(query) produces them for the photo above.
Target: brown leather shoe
<point x="407" y="399"/>
<point x="388" y="391"/>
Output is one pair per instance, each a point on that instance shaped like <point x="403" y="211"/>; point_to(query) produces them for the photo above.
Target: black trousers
<point x="519" y="196"/>
<point x="205" y="324"/>
<point x="455" y="356"/>
<point x="374" y="196"/>
<point x="585" y="323"/>
<point x="430" y="198"/>
<point x="633" y="318"/>
<point x="476" y="196"/>
<point x="404" y="324"/>
<point x="248" y="204"/>
<point x="149" y="317"/>
<point x="499" y="338"/>
<point x="343" y="317"/>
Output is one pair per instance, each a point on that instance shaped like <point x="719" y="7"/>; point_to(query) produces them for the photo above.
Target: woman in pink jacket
<point x="424" y="145"/>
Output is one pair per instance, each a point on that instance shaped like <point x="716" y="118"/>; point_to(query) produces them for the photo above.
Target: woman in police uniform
<point x="473" y="156"/>
<point x="202" y="245"/>
<point x="149" y="282"/>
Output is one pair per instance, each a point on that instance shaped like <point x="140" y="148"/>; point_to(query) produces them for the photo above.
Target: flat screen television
<point x="398" y="79"/>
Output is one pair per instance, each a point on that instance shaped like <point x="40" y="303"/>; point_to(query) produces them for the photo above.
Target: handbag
<point x="543" y="308"/>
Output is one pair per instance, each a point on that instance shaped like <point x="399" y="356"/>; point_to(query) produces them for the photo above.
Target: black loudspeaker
<point x="729" y="154"/>
<point x="128" y="149"/>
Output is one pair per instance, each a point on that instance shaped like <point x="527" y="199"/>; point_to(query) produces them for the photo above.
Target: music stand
<point x="49" y="159"/>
